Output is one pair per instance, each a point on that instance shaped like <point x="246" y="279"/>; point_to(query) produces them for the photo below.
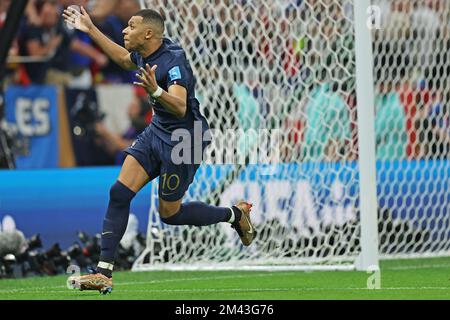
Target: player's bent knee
<point x="120" y="193"/>
<point x="165" y="213"/>
<point x="168" y="208"/>
<point x="114" y="192"/>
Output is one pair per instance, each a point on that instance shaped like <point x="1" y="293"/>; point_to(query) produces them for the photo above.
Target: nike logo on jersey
<point x="167" y="194"/>
<point x="105" y="233"/>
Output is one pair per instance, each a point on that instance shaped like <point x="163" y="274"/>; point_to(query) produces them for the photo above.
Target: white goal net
<point x="287" y="69"/>
<point x="412" y="83"/>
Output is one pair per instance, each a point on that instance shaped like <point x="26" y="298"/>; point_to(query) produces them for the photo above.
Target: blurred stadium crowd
<point x="295" y="76"/>
<point x="63" y="56"/>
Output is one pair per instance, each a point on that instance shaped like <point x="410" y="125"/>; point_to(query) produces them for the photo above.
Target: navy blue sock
<point x="198" y="214"/>
<point x="115" y="224"/>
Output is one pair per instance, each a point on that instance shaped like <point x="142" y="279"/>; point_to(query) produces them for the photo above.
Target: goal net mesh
<point x="412" y="127"/>
<point x="277" y="78"/>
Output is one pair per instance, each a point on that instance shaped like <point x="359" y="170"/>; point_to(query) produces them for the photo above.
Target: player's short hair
<point x="152" y="17"/>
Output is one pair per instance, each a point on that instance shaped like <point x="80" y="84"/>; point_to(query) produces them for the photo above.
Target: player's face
<point x="134" y="35"/>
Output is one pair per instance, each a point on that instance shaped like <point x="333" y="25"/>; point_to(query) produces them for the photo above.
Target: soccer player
<point x="166" y="75"/>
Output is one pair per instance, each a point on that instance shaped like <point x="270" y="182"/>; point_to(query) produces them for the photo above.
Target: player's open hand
<point x="78" y="20"/>
<point x="148" y="79"/>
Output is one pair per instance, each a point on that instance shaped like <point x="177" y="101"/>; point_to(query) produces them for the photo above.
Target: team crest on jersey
<point x="174" y="73"/>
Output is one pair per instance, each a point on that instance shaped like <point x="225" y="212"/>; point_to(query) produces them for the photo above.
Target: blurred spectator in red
<point x="415" y="99"/>
<point x="277" y="44"/>
<point x="140" y="113"/>
<point x="290" y="56"/>
<point x="293" y="136"/>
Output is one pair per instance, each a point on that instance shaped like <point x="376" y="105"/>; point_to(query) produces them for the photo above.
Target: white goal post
<point x="353" y="178"/>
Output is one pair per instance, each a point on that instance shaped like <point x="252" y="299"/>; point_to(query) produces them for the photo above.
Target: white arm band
<point x="157" y="93"/>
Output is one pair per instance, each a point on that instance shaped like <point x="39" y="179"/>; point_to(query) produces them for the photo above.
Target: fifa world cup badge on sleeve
<point x="174" y="73"/>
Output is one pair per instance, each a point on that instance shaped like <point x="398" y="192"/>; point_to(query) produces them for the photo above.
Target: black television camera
<point x="85" y="113"/>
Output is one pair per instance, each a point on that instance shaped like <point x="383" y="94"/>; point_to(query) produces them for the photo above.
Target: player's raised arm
<point x="82" y="22"/>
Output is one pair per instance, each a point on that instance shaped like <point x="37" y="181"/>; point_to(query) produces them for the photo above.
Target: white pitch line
<point x="424" y="266"/>
<point x="207" y="278"/>
<point x="282" y="289"/>
<point x="250" y="275"/>
<point x="231" y="290"/>
<point x="40" y="289"/>
<point x="161" y="281"/>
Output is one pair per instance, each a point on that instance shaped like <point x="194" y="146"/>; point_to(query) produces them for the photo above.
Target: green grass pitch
<point x="400" y="279"/>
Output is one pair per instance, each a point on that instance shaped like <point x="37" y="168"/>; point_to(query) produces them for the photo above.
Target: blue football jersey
<point x="173" y="68"/>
